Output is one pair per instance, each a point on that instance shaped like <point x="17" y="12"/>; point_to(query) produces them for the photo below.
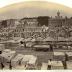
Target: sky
<point x="22" y="8"/>
<point x="4" y="3"/>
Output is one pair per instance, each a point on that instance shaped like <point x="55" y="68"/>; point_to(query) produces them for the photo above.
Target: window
<point x="15" y="30"/>
<point x="23" y="29"/>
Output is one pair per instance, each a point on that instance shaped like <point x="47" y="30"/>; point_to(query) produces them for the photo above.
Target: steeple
<point x="58" y="13"/>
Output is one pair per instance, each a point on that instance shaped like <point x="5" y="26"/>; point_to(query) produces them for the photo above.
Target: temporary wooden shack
<point x="44" y="66"/>
<point x="56" y="65"/>
<point x="69" y="65"/>
<point x="59" y="56"/>
<point x="69" y="55"/>
<point x="16" y="61"/>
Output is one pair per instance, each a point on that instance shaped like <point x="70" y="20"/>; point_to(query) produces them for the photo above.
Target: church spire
<point x="58" y="13"/>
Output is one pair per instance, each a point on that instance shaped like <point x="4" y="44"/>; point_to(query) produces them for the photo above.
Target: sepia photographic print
<point x="35" y="35"/>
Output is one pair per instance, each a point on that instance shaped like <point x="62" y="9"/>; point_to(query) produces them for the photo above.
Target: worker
<point x="2" y="66"/>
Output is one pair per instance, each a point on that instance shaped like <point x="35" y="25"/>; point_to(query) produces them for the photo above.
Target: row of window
<point x="29" y="30"/>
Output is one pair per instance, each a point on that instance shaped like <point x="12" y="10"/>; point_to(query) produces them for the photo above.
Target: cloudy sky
<point x="21" y="8"/>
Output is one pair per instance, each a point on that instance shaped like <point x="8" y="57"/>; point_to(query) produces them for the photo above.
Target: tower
<point x="58" y="13"/>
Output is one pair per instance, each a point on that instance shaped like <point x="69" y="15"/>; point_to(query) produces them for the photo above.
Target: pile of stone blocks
<point x="55" y="65"/>
<point x="16" y="61"/>
<point x="32" y="63"/>
<point x="59" y="56"/>
<point x="69" y="65"/>
<point x="44" y="66"/>
<point x="29" y="61"/>
<point x="6" y="57"/>
<point x="69" y="56"/>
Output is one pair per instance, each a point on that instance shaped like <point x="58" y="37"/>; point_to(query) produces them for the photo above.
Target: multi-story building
<point x="28" y="27"/>
<point x="30" y="22"/>
<point x="9" y="23"/>
<point x="7" y="27"/>
<point x="22" y="31"/>
<point x="55" y="22"/>
<point x="60" y="25"/>
<point x="59" y="21"/>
